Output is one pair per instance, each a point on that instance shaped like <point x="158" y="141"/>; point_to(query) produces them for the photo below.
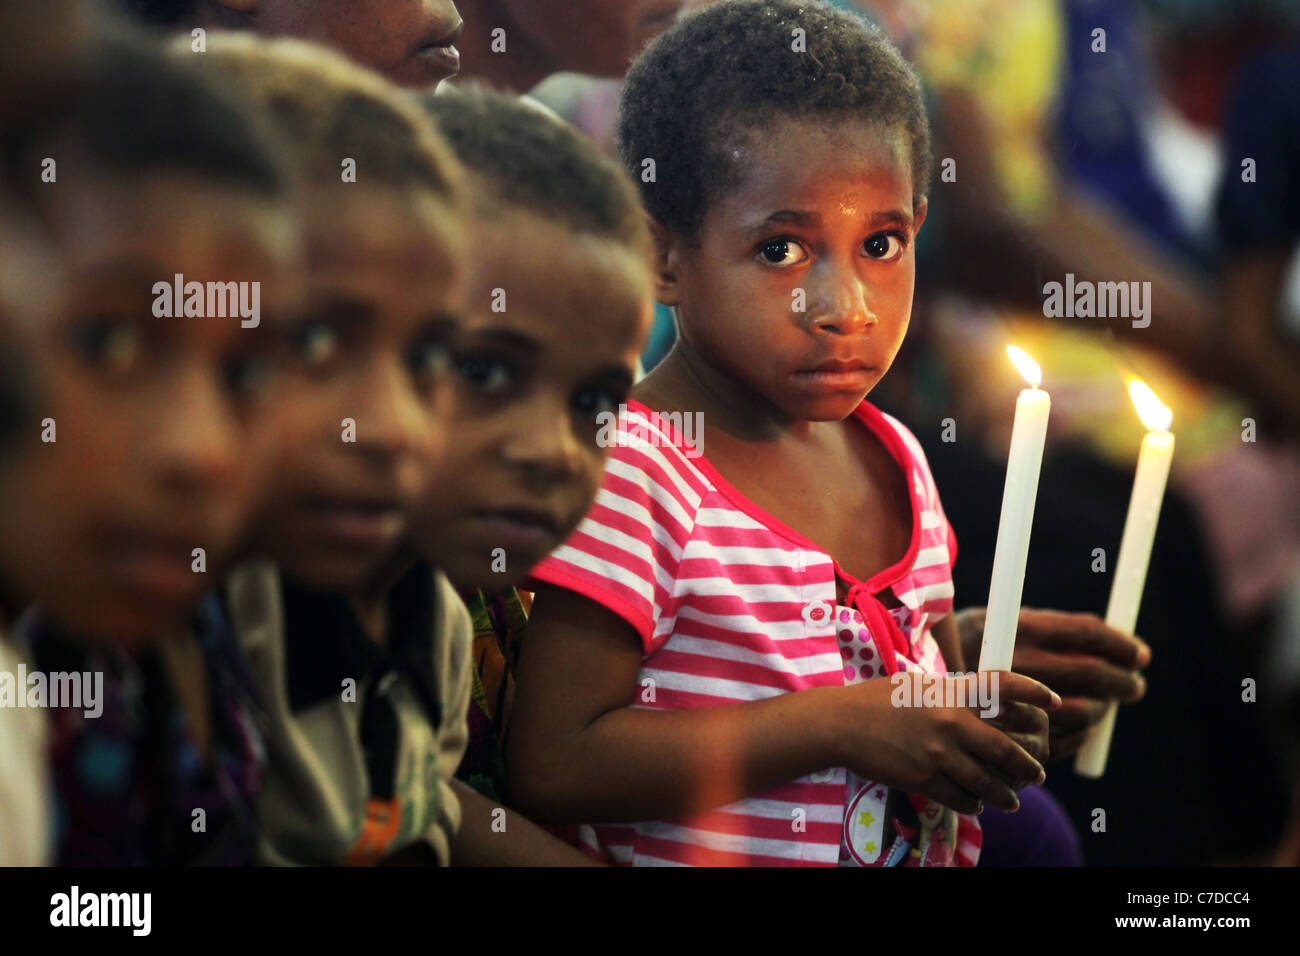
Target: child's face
<point x="409" y="41"/>
<point x="523" y="466"/>
<point x="368" y="387"/>
<point x="599" y="37"/>
<point x="822" y="219"/>
<point x="148" y="436"/>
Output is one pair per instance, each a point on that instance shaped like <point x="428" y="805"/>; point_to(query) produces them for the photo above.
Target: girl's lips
<point x="836" y="378"/>
<point x="360" y="525"/>
<point x="163" y="571"/>
<point x="516" y="531"/>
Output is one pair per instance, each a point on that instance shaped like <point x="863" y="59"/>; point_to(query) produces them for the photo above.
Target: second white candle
<point x="1011" y="554"/>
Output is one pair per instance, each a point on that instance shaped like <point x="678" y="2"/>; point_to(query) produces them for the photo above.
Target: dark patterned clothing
<point x="499" y="622"/>
<point x="130" y="787"/>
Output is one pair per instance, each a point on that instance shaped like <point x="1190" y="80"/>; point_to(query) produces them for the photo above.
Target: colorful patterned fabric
<point x="130" y="786"/>
<point x="499" y="622"/>
<point x="885" y="827"/>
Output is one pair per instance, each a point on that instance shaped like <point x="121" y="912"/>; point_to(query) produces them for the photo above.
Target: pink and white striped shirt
<point x="731" y="606"/>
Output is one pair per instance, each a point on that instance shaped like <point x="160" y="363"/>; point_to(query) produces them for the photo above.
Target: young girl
<point x="707" y="650"/>
<point x="560" y="237"/>
<point x="141" y="454"/>
<point x="360" y="654"/>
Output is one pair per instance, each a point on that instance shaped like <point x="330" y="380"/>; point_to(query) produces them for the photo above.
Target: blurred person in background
<point x="44" y="58"/>
<point x="515" y="44"/>
<point x="412" y="43"/>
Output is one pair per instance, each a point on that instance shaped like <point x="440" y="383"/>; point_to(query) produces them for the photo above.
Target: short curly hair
<point x="529" y="158"/>
<point x="733" y="67"/>
<point x="328" y="108"/>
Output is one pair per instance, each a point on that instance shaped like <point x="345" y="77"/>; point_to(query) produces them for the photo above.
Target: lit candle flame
<point x="1025" y="366"/>
<point x="1155" y="416"/>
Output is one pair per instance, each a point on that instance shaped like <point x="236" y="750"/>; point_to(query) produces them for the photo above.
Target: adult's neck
<point x="521" y="67"/>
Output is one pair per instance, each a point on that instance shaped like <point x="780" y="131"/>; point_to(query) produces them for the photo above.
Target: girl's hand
<point x="950" y="754"/>
<point x="1089" y="663"/>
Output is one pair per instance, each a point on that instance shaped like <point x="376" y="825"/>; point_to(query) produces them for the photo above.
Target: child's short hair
<point x="733" y="66"/>
<point x="140" y="113"/>
<point x="328" y="110"/>
<point x="529" y="158"/>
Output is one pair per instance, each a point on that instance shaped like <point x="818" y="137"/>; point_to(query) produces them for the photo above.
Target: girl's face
<point x="146" y="437"/>
<point x="367" y="391"/>
<point x="532" y="377"/>
<point x="799" y="287"/>
<point x="409" y="41"/>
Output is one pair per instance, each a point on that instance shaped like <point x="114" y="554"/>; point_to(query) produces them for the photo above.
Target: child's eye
<point x="113" y="345"/>
<point x="782" y="253"/>
<point x="884" y="246"/>
<point x="486" y="374"/>
<point x="428" y="361"/>
<point x="315" y="343"/>
<point x="248" y="376"/>
<point x="590" y="402"/>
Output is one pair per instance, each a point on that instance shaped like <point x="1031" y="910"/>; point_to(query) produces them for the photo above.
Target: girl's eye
<point x="428" y="361"/>
<point x="487" y="375"/>
<point x="107" y="343"/>
<point x="590" y="402"/>
<point x="315" y="343"/>
<point x="782" y="253"/>
<point x="885" y="246"/>
<point x="248" y="376"/>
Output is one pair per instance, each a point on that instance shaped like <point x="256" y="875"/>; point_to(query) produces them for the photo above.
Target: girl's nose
<point x="845" y="309"/>
<point x="391" y="419"/>
<point x="546" y="446"/>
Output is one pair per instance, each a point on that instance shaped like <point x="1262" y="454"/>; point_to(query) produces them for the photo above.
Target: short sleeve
<point x="626" y="553"/>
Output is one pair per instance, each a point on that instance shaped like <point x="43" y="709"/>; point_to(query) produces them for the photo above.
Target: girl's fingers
<point x="1000" y="752"/>
<point x="1011" y="687"/>
<point x="978" y="780"/>
<point x="943" y="790"/>
<point x="1021" y="717"/>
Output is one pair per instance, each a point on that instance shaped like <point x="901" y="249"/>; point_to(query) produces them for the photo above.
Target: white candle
<point x="1028" y="435"/>
<point x="1134" y="554"/>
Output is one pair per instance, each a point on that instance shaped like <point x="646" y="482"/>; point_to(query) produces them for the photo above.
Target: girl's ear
<point x="666" y="247"/>
<point x="918" y="217"/>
